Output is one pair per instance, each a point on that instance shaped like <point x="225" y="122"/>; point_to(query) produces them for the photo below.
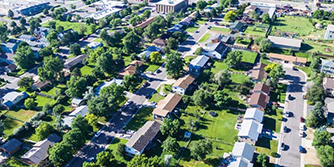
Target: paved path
<point x="291" y="157"/>
<point x="98" y="144"/>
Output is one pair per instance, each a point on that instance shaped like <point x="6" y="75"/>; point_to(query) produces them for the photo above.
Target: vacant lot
<point x="23" y="115"/>
<point x="292" y="25"/>
<point x="255" y="31"/>
<point x="74" y="25"/>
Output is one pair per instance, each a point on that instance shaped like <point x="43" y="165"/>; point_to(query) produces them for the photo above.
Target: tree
<point x="233" y="58"/>
<point x="2" y="127"/>
<point x="74" y="138"/>
<point x="131" y="42"/>
<point x="170" y="127"/>
<point x="106" y="158"/>
<point x="321" y="137"/>
<point x="201" y="4"/>
<point x="92" y="119"/>
<point x="262" y="159"/>
<point x="222" y="78"/>
<point x="25" y="57"/>
<point x="25" y="82"/>
<point x="265" y="45"/>
<point x="33" y="24"/>
<point x="155" y="57"/>
<point x="277" y="72"/>
<point x="75" y="49"/>
<point x="45" y="11"/>
<point x="230" y="16"/>
<point x="23" y="21"/>
<point x="311" y="121"/>
<point x="60" y="153"/>
<point x="142" y="160"/>
<point x="326" y="155"/>
<point x="315" y="64"/>
<point x="69" y="18"/>
<point x="115" y="22"/>
<point x="170" y="145"/>
<point x="82" y="124"/>
<point x="266" y="18"/>
<point x="10" y="14"/>
<point x="44" y="130"/>
<point x="146" y="14"/>
<point x="30" y="103"/>
<point x="13" y="24"/>
<point x="106" y="63"/>
<point x="199" y="149"/>
<point x="103" y="23"/>
<point x="72" y="6"/>
<point x="222" y="99"/>
<point x="130" y="82"/>
<point x="44" y="52"/>
<point x="201" y="98"/>
<point x="51" y="69"/>
<point x="172" y="43"/>
<point x="59" y="123"/>
<point x="58" y="109"/>
<point x="174" y="65"/>
<point x="315" y="93"/>
<point x="76" y="86"/>
<point x="199" y="51"/>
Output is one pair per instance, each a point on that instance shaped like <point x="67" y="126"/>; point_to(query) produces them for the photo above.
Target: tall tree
<point x="75" y="49"/>
<point x="60" y="153"/>
<point x="199" y="149"/>
<point x="222" y="78"/>
<point x="262" y="159"/>
<point x="130" y="82"/>
<point x="155" y="57"/>
<point x="326" y="155"/>
<point x="82" y="124"/>
<point x="76" y="86"/>
<point x="75" y="138"/>
<point x="233" y="58"/>
<point x="25" y="82"/>
<point x="170" y="127"/>
<point x="230" y="16"/>
<point x="170" y="145"/>
<point x="106" y="63"/>
<point x="174" y="65"/>
<point x="131" y="42"/>
<point x="201" y="98"/>
<point x="321" y="137"/>
<point x="142" y="160"/>
<point x="266" y="18"/>
<point x="44" y="130"/>
<point x="222" y="99"/>
<point x="51" y="69"/>
<point x="25" y="57"/>
<point x="10" y="14"/>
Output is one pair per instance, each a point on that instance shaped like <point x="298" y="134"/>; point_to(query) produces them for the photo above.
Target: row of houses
<point x="251" y="126"/>
<point x="260" y="96"/>
<point x="241" y="156"/>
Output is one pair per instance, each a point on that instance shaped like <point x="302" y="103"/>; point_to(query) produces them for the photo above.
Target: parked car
<point x="91" y="159"/>
<point x="301" y="133"/>
<point x="302" y="119"/>
<point x="289" y="97"/>
<point x="304" y="96"/>
<point x="196" y="31"/>
<point x="145" y="84"/>
<point x="302" y="149"/>
<point x="209" y="27"/>
<point x="283" y="146"/>
<point x="285" y="129"/>
<point x="287" y="113"/>
<point x="302" y="127"/>
<point x="158" y="71"/>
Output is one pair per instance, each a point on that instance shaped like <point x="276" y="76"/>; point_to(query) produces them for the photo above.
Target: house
<point x="237" y="26"/>
<point x="243" y="150"/>
<point x="81" y="110"/>
<point x="142" y="138"/>
<point x="13" y="98"/>
<point x="261" y="88"/>
<point x="166" y="106"/>
<point x="182" y="84"/>
<point x="175" y="28"/>
<point x="9" y="47"/>
<point x="272" y="12"/>
<point x="329" y="32"/>
<point x="259" y="100"/>
<point x="252" y="8"/>
<point x="329" y="110"/>
<point x="76" y="102"/>
<point x="249" y="131"/>
<point x="160" y="42"/>
<point x="130" y="69"/>
<point x="118" y="82"/>
<point x="254" y="114"/>
<point x="147" y="52"/>
<point x="10" y="68"/>
<point x="216" y="50"/>
<point x="300" y="61"/>
<point x="39" y="151"/>
<point x="186" y="21"/>
<point x="196" y="65"/>
<point x="39" y="85"/>
<point x="328" y="84"/>
<point x="327" y="66"/>
<point x="74" y="62"/>
<point x="217" y="38"/>
<point x="285" y="43"/>
<point x="258" y="73"/>
<point x="11" y="146"/>
<point x="94" y="45"/>
<point x="32" y="8"/>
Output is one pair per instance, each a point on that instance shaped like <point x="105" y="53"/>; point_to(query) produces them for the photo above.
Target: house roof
<point x="76" y="101"/>
<point x="259" y="74"/>
<point x="200" y="61"/>
<point x="39" y="84"/>
<point x="11" y="96"/>
<point x="130" y="69"/>
<point x="288" y="58"/>
<point x="239" y="162"/>
<point x="108" y="83"/>
<point x="9" y="44"/>
<point x="94" y="44"/>
<point x="243" y="150"/>
<point x="328" y="63"/>
<point x="259" y="66"/>
<point x="11" y="145"/>
<point x="330" y="27"/>
<point x="285" y="41"/>
<point x="328" y="83"/>
<point x="39" y="151"/>
<point x="255" y="114"/>
<point x="219" y="47"/>
<point x="71" y="62"/>
<point x="237" y="25"/>
<point x="186" y="20"/>
<point x="168" y="104"/>
<point x="82" y="111"/>
<point x="250" y="129"/>
<point x="146" y="23"/>
<point x="259" y="99"/>
<point x="159" y="42"/>
<point x="153" y="49"/>
<point x="184" y="82"/>
<point x="11" y="67"/>
<point x="261" y="87"/>
<point x="144" y="135"/>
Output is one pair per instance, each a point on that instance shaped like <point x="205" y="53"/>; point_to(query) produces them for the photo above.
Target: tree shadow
<point x="269" y="123"/>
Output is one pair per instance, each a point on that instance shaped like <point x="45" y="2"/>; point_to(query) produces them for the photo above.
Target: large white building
<point x="166" y="6"/>
<point x="329" y="32"/>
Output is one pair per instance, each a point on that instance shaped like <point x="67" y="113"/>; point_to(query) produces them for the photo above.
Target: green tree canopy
<point x="199" y="149"/>
<point x="25" y="57"/>
<point x="25" y="82"/>
<point x="170" y="145"/>
<point x="174" y="65"/>
<point x="233" y="58"/>
<point x="51" y="69"/>
<point x="76" y="86"/>
<point x="44" y="130"/>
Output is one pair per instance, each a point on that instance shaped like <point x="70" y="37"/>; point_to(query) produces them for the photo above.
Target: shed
<point x="11" y="146"/>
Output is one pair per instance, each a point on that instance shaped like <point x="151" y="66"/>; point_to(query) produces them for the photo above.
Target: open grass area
<point x="113" y="146"/>
<point x="273" y="120"/>
<point x="255" y="31"/>
<point x="314" y="46"/>
<point x="265" y="145"/>
<point x="249" y="57"/>
<point x="10" y="125"/>
<point x="156" y="97"/>
<point x="201" y="21"/>
<point x="41" y="101"/>
<point x="292" y="25"/>
<point x="192" y="29"/>
<point x="205" y="37"/>
<point x="152" y="67"/>
<point x="55" y="90"/>
<point x="243" y="41"/>
<point x="87" y="69"/>
<point x="239" y="78"/>
<point x="278" y="95"/>
<point x="306" y="69"/>
<point x="217" y="66"/>
<point x="74" y="25"/>
<point x="23" y="115"/>
<point x="142" y="116"/>
<point x="188" y="59"/>
<point x="221" y="30"/>
<point x="12" y="162"/>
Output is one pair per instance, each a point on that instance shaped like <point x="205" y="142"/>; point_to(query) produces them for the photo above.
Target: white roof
<point x="76" y="101"/>
<point x="199" y="61"/>
<point x="169" y="2"/>
<point x="82" y="110"/>
<point x="243" y="150"/>
<point x="285" y="41"/>
<point x="11" y="96"/>
<point x="254" y="114"/>
<point x="108" y="83"/>
<point x="94" y="44"/>
<point x="239" y="162"/>
<point x="330" y="27"/>
<point x="328" y="63"/>
<point x="251" y="129"/>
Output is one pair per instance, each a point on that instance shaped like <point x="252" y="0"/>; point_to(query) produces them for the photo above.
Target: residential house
<point x="217" y="38"/>
<point x="328" y="84"/>
<point x="166" y="106"/>
<point x="249" y="131"/>
<point x="300" y="61"/>
<point x="285" y="43"/>
<point x="147" y="52"/>
<point x="81" y="110"/>
<point x="142" y="138"/>
<point x="160" y="42"/>
<point x="39" y="85"/>
<point x="216" y="50"/>
<point x="327" y="66"/>
<point x="10" y="68"/>
<point x="77" y="102"/>
<point x="242" y="155"/>
<point x="196" y="65"/>
<point x="329" y="32"/>
<point x="74" y="62"/>
<point x="11" y="146"/>
<point x="13" y="98"/>
<point x="329" y="110"/>
<point x="61" y="34"/>
<point x="39" y="151"/>
<point x="254" y="114"/>
<point x="94" y="45"/>
<point x="249" y="9"/>
<point x="118" y="82"/>
<point x="182" y="84"/>
<point x="237" y="26"/>
<point x="258" y="73"/>
<point x="259" y="100"/>
<point x="261" y="88"/>
<point x="130" y="69"/>
<point x="9" y="47"/>
<point x="175" y="28"/>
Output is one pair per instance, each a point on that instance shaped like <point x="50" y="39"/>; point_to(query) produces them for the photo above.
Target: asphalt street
<point x="186" y="46"/>
<point x="100" y="143"/>
<point x="291" y="156"/>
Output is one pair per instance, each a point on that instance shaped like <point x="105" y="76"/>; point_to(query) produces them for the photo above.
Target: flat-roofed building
<point x="166" y="6"/>
<point x="285" y="43"/>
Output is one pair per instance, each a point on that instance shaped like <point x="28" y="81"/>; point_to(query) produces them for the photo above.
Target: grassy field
<point x="292" y="25"/>
<point x="243" y="41"/>
<point x="218" y="66"/>
<point x="55" y="90"/>
<point x="74" y="25"/>
<point x="156" y="97"/>
<point x="41" y="101"/>
<point x="255" y="31"/>
<point x="220" y="30"/>
<point x="239" y="78"/>
<point x="23" y="115"/>
<point x="113" y="146"/>
<point x="10" y="125"/>
<point x="249" y="57"/>
<point x="306" y="69"/>
<point x="273" y="120"/>
<point x="192" y="29"/>
<point x="152" y="67"/>
<point x="313" y="46"/>
<point x="265" y="145"/>
<point x="87" y="69"/>
<point x="205" y="37"/>
<point x="143" y="115"/>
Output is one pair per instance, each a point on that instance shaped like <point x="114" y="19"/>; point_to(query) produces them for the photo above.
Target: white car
<point x="301" y="133"/>
<point x="97" y="134"/>
<point x="302" y="127"/>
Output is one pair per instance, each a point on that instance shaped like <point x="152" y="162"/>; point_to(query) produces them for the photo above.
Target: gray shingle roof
<point x="199" y="61"/>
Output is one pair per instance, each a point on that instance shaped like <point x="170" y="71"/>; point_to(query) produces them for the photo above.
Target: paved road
<point x="117" y="123"/>
<point x="186" y="46"/>
<point x="291" y="157"/>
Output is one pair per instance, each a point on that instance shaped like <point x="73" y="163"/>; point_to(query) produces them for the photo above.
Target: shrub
<point x="274" y="154"/>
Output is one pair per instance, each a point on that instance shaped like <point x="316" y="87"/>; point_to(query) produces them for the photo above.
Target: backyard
<point x="255" y="31"/>
<point x="221" y="30"/>
<point x="292" y="25"/>
<point x="74" y="25"/>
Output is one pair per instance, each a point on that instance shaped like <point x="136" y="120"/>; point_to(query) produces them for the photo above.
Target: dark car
<point x="285" y="129"/>
<point x="302" y="120"/>
<point x="145" y="84"/>
<point x="302" y="149"/>
<point x="282" y="146"/>
<point x="158" y="71"/>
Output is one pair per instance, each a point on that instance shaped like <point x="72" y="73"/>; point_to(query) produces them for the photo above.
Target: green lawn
<point x="306" y="69"/>
<point x="87" y="69"/>
<point x="313" y="46"/>
<point x="201" y="21"/>
<point x="249" y="57"/>
<point x="152" y="67"/>
<point x="265" y="145"/>
<point x="55" y="90"/>
<point x="220" y="30"/>
<point x="74" y="25"/>
<point x="192" y="29"/>
<point x="273" y="121"/>
<point x="187" y="59"/>
<point x="156" y="97"/>
<point x="41" y="101"/>
<point x="292" y="25"/>
<point x="143" y="115"/>
<point x="10" y="125"/>
<point x="255" y="31"/>
<point x="98" y="40"/>
<point x="218" y="66"/>
<point x="279" y="94"/>
<point x="243" y="41"/>
<point x="113" y="146"/>
<point x="205" y="37"/>
<point x="23" y="115"/>
<point x="239" y="78"/>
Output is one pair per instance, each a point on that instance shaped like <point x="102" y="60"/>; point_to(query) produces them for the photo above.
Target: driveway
<point x="291" y="157"/>
<point x="120" y="120"/>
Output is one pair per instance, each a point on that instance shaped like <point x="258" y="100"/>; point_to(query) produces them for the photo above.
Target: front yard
<point x="142" y="116"/>
<point x="204" y="38"/>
